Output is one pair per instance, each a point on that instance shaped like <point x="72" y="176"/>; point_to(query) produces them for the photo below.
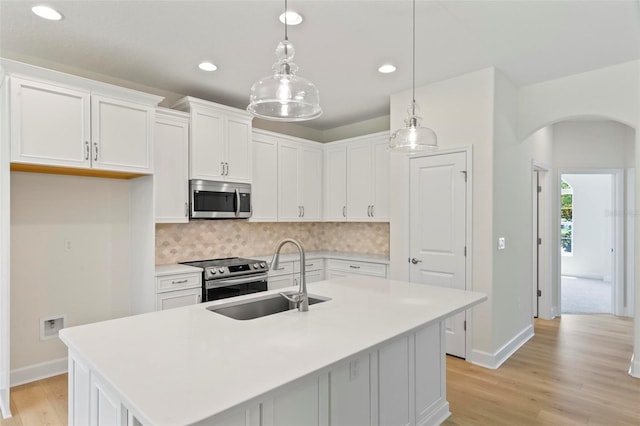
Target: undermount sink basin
<point x="256" y="308"/>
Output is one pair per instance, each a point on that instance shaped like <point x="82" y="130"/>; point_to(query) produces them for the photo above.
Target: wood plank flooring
<point x="573" y="372"/>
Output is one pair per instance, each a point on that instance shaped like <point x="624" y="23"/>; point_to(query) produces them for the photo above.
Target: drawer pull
<point x="308" y="264"/>
<point x="354" y="267"/>
<point x="180" y="282"/>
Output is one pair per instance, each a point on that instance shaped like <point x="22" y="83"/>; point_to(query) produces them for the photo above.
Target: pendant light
<point x="413" y="137"/>
<point x="284" y="96"/>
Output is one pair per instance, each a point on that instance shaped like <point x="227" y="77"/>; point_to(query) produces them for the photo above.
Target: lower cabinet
<point x="177" y="290"/>
<point x="341" y="268"/>
<point x="399" y="382"/>
<point x="289" y="273"/>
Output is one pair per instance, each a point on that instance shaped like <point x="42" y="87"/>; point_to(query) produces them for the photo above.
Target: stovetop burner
<point x="229" y="267"/>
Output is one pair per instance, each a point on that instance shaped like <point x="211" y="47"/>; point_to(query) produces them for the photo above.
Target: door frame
<point x="618" y="284"/>
<point x="541" y="261"/>
<point x="468" y="151"/>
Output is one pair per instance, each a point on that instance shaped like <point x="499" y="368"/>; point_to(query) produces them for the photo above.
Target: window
<point x="566" y="219"/>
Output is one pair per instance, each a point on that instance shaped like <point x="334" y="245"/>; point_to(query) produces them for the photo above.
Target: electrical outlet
<point x="501" y="243"/>
<point x="50" y="326"/>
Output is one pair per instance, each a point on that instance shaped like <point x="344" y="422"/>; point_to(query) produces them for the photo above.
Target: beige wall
<point x="86" y="280"/>
<point x="208" y="239"/>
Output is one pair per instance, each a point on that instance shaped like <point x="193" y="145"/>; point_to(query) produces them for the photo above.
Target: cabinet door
<point x="207" y="148"/>
<point x="289" y="209"/>
<point x="314" y="276"/>
<point x="238" y="161"/>
<point x="310" y="176"/>
<point x="171" y="174"/>
<point x="50" y="125"/>
<point x="359" y="183"/>
<point x="177" y="299"/>
<point x="380" y="210"/>
<point x="264" y="189"/>
<point x="121" y="135"/>
<point x="280" y="281"/>
<point x="335" y="184"/>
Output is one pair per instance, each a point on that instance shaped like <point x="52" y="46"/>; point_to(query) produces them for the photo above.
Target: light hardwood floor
<point x="573" y="372"/>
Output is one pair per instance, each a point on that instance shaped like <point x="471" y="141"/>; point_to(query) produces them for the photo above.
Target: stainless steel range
<point x="232" y="276"/>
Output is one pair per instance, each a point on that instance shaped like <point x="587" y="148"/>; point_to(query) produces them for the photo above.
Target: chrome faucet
<point x="301" y="298"/>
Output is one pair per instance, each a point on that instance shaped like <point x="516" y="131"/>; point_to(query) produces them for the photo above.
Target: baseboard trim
<point x="634" y="368"/>
<point x="441" y="414"/>
<point x="34" y="372"/>
<point x="496" y="359"/>
<point x="4" y="404"/>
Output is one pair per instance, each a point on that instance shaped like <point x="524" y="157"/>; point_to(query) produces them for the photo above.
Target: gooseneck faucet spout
<point x="301" y="298"/>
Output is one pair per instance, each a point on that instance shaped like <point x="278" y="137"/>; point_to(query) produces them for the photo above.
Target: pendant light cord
<point x="286" y="35"/>
<point x="413" y="103"/>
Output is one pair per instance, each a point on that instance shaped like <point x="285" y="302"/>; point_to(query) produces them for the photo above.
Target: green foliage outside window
<point x="566" y="218"/>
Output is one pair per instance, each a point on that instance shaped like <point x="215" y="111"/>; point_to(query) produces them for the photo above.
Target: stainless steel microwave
<point x="219" y="200"/>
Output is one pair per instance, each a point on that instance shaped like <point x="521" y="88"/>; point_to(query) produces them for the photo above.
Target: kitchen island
<point x="371" y="354"/>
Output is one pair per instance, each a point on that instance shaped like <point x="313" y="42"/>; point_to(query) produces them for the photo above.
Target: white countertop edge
<point x="177" y="268"/>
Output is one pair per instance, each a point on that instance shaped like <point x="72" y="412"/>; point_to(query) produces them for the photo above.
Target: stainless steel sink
<point x="261" y="307"/>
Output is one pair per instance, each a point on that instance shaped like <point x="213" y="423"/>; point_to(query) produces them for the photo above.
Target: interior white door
<point x="438" y="231"/>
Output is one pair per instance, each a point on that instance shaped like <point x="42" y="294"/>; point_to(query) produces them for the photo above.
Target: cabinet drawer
<point x="178" y="281"/>
<point x="360" y="268"/>
<point x="311" y="265"/>
<point x="283" y="269"/>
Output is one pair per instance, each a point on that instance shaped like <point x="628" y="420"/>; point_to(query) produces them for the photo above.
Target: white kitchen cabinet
<point x="299" y="181"/>
<point x="220" y="139"/>
<point x="340" y="268"/>
<point x="368" y="179"/>
<point x="264" y="189"/>
<point x="335" y="183"/>
<point x="177" y="289"/>
<point x="59" y="125"/>
<point x="171" y="163"/>
<point x="289" y="273"/>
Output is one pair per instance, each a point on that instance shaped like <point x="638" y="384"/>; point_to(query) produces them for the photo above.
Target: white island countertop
<point x="184" y="365"/>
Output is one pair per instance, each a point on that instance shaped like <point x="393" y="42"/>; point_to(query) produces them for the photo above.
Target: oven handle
<point x="233" y="281"/>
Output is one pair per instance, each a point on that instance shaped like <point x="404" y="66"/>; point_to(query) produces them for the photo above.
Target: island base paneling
<point x="399" y="382"/>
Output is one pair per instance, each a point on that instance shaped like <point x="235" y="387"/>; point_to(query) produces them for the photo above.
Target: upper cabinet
<point x="356" y="185"/>
<point x="82" y="126"/>
<point x="299" y="181"/>
<point x="171" y="160"/>
<point x="220" y="141"/>
<point x="264" y="189"/>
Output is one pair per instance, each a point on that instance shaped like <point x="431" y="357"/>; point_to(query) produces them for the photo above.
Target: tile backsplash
<point x="209" y="239"/>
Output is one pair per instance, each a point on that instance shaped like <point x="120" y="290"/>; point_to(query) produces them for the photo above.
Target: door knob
<point x="415" y="261"/>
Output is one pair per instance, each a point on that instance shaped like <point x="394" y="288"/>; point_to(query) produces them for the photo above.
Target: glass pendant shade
<point x="284" y="96"/>
<point x="413" y="137"/>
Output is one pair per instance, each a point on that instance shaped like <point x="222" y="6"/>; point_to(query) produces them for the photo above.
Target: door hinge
<point x="539" y="241"/>
<point x="464" y="172"/>
<point x="539" y="189"/>
<point x="465" y="325"/>
<point x="465" y="251"/>
<point x="539" y="293"/>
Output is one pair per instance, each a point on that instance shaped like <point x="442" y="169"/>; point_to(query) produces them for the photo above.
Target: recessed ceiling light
<point x="207" y="66"/>
<point x="47" y="12"/>
<point x="386" y="68"/>
<point x="293" y="18"/>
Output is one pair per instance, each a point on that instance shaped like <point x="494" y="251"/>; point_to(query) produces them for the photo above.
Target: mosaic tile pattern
<point x="209" y="239"/>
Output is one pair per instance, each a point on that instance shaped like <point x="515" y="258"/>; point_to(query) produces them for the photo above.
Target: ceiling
<point x="339" y="45"/>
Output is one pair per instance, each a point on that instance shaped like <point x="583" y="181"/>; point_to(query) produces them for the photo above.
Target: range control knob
<point x="255" y="266"/>
<point x="213" y="271"/>
<point x="221" y="270"/>
<point x="263" y="265"/>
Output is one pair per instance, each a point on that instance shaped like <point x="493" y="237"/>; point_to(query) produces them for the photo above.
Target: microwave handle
<point x="237" y="203"/>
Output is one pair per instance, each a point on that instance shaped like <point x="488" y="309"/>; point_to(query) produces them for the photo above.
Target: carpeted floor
<point x="585" y="296"/>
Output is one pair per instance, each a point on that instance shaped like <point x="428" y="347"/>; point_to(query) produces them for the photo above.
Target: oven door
<point x="219" y="200"/>
<point x="231" y="287"/>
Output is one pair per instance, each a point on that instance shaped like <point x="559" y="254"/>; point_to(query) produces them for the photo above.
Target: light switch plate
<point x="501" y="243"/>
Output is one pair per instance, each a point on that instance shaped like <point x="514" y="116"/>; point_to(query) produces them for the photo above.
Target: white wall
<point x="592" y="226"/>
<point x="87" y="282"/>
<point x="460" y="111"/>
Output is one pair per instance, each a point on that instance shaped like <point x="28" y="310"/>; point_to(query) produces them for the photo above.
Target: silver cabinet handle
<point x="226" y="169"/>
<point x="299" y="211"/>
<point x="95" y="146"/>
<point x="302" y="211"/>
<point x="308" y="264"/>
<point x="372" y="214"/>
<point x="354" y="267"/>
<point x="415" y="261"/>
<point x="179" y="282"/>
<point x="87" y="149"/>
<point x="222" y="168"/>
<point x="344" y="211"/>
<point x="369" y="211"/>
